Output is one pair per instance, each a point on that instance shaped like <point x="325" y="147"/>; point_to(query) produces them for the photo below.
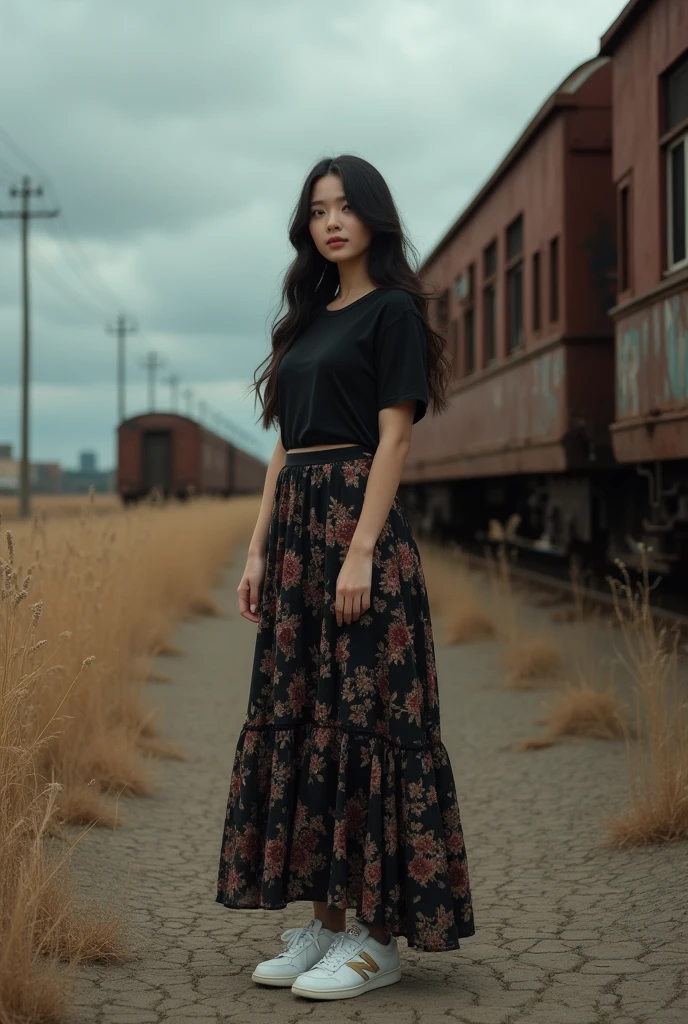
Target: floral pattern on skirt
<point x="342" y="791"/>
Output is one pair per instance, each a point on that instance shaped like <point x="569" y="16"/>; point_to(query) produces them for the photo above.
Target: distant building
<point x="87" y="462"/>
<point x="46" y="478"/>
<point x="9" y="472"/>
<point x="76" y="482"/>
<point x="50" y="478"/>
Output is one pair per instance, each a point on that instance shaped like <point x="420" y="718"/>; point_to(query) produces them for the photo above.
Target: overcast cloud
<point x="176" y="136"/>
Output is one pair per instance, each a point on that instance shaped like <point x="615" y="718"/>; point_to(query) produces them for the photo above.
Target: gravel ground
<point x="567" y="932"/>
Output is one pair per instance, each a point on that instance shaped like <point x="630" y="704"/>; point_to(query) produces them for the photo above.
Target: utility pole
<point x="188" y="399"/>
<point x="25" y="192"/>
<point x="202" y="409"/>
<point x="152" y="364"/>
<point x="173" y="382"/>
<point x="121" y="329"/>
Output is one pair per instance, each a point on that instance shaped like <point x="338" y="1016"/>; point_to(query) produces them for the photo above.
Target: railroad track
<point x="667" y="607"/>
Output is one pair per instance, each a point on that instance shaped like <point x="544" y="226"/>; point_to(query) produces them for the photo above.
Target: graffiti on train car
<point x="652" y="359"/>
<point x="528" y="398"/>
<point x="525" y="404"/>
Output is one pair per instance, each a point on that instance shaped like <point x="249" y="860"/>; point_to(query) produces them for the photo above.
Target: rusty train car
<point x="562" y="292"/>
<point x="178" y="457"/>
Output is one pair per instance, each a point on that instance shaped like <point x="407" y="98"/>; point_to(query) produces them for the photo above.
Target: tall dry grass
<point x="455" y="598"/>
<point x="588" y="706"/>
<point x="529" y="659"/>
<point x="83" y="604"/>
<point x="658" y="761"/>
<point x="58" y="506"/>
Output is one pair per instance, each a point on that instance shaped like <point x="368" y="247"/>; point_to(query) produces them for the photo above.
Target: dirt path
<point x="567" y="933"/>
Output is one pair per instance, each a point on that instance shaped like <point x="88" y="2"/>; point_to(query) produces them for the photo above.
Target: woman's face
<point x="332" y="217"/>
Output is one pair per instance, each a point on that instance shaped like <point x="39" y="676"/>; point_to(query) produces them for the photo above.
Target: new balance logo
<point x="362" y="969"/>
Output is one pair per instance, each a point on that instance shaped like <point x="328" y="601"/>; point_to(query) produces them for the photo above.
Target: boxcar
<point x="523" y="280"/>
<point x="562" y="292"/>
<point x="178" y="457"/>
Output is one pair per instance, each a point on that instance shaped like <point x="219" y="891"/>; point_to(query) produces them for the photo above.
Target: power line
<point x="63" y="224"/>
<point x="102" y="291"/>
<point x="46" y="270"/>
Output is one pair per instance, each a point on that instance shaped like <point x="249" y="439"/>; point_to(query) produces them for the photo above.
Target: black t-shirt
<point x="348" y="364"/>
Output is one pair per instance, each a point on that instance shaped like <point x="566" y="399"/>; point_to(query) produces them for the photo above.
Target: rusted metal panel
<point x="214" y="464"/>
<point x="248" y="475"/>
<point x="509" y="421"/>
<point x="652" y="381"/>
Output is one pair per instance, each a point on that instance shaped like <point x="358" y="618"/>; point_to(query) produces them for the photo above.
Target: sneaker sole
<point x="274" y="982"/>
<point x="389" y="978"/>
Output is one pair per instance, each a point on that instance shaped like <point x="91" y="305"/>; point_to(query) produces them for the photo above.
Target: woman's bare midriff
<point x="320" y="447"/>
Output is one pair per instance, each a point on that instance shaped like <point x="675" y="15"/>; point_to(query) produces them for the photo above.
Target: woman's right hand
<point x="250" y="586"/>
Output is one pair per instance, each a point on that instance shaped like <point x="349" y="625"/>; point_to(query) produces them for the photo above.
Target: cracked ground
<point x="568" y="932"/>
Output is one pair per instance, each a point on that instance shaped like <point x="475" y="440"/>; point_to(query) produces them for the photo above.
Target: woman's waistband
<point x="343" y="454"/>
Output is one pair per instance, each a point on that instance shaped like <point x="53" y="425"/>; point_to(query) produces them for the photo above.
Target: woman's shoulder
<point x="396" y="302"/>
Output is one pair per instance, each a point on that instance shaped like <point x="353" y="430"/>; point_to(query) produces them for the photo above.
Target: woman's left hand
<point x="353" y="586"/>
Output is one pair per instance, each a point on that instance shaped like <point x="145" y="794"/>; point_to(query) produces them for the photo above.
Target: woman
<point x="342" y="792"/>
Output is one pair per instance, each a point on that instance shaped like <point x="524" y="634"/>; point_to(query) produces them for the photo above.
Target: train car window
<point x="454" y="345"/>
<point x="490" y="260"/>
<point x="537" y="301"/>
<point x="443" y="311"/>
<point x="676" y="95"/>
<point x="469" y="340"/>
<point x="514" y="299"/>
<point x="514" y="284"/>
<point x="624" y="278"/>
<point x="514" y="238"/>
<point x="554" y="279"/>
<point x="676" y="196"/>
<point x="490" y="303"/>
<point x="490" y="322"/>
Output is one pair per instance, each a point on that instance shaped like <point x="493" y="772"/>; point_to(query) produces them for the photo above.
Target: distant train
<point x="176" y="456"/>
<point x="563" y="296"/>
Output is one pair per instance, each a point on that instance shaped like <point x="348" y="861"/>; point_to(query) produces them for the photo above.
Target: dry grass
<point x="658" y="761"/>
<point x="455" y="597"/>
<point x="77" y="628"/>
<point x="589" y="706"/>
<point x="586" y="710"/>
<point x="529" y="659"/>
<point x="583" y="710"/>
<point x="61" y="506"/>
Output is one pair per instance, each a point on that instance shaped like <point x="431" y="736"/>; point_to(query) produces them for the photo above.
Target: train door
<point x="157" y="460"/>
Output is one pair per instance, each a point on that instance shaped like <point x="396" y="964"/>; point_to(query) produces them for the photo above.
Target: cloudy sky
<point x="174" y="138"/>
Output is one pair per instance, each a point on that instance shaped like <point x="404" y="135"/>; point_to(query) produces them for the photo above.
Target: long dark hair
<point x="311" y="281"/>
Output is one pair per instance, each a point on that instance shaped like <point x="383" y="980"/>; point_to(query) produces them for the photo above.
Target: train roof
<point x="160" y="413"/>
<point x="563" y="96"/>
<point x="622" y="26"/>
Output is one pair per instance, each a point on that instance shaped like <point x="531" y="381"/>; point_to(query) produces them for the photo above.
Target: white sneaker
<point x="354" y="964"/>
<point x="303" y="948"/>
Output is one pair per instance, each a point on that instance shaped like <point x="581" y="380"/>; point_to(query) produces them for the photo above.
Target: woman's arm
<point x="259" y="540"/>
<point x="355" y="576"/>
<point x="254" y="573"/>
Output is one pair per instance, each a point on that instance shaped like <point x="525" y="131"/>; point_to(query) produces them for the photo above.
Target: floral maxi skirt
<point x="341" y="790"/>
